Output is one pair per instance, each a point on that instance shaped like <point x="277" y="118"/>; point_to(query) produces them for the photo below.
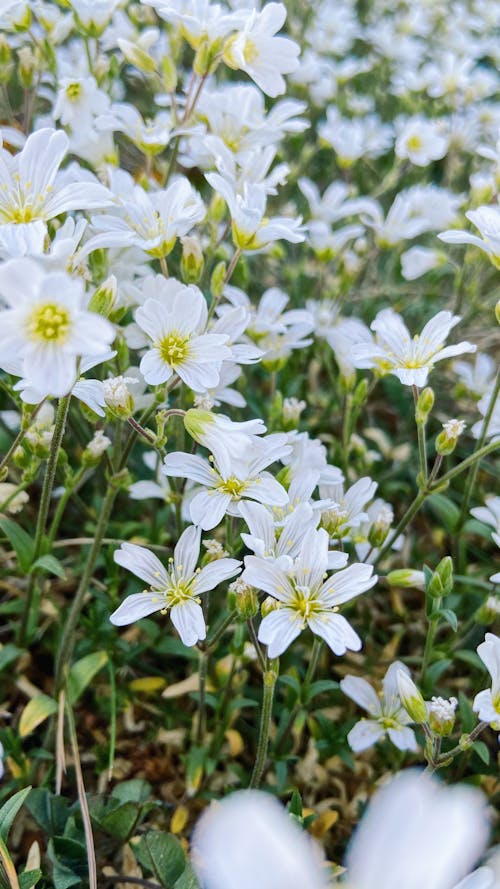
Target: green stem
<point x="220" y="629"/>
<point x="256" y="645"/>
<point x="429" y="643"/>
<point x="469" y="461"/>
<point x="471" y="481"/>
<point x="67" y="642"/>
<point x="422" y="447"/>
<point x="406" y="519"/>
<point x="202" y="710"/>
<point x="48" y="484"/>
<point x="269" y="679"/>
<point x="62" y="503"/>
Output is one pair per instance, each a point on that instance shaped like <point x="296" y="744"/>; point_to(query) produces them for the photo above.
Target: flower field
<point x="249" y="440"/>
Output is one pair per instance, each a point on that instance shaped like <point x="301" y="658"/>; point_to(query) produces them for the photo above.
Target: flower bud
<point x="214" y="551"/>
<point x="27" y="67"/>
<point x="135" y="55"/>
<point x="192" y="260"/>
<point x="118" y="399"/>
<point x="442" y="715"/>
<point x="291" y="411"/>
<point x="381" y="526"/>
<point x="360" y="393"/>
<point x="196" y="423"/>
<point x="406" y="578"/>
<point x="446" y="441"/>
<point x="244" y="599"/>
<point x="497" y="311"/>
<point x="168" y="74"/>
<point x="441" y="582"/>
<point x="424" y="406"/>
<point x="6" y="63"/>
<point x="411" y="698"/>
<point x="489" y="611"/>
<point x="217" y="279"/>
<point x="269" y="604"/>
<point x="103" y="299"/>
<point x="95" y="448"/>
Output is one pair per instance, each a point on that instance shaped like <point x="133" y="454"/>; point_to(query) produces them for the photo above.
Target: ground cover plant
<point x="249" y="436"/>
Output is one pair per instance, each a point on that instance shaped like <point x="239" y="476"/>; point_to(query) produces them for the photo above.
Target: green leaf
<point x="466" y="712"/>
<point x="187" y="879"/>
<point x="450" y="617"/>
<point x="163" y="855"/>
<point x="482" y="751"/>
<point x="295" y="804"/>
<point x="49" y="810"/>
<point x="83" y="672"/>
<point x="8" y="653"/>
<point x="29" y="878"/>
<point x="291" y="681"/>
<point x="436" y="670"/>
<point x="121" y="822"/>
<point x="36" y="711"/>
<point x="470" y="658"/>
<point x="21" y="541"/>
<point x="51" y="564"/>
<point x="445" y="510"/>
<point x="9" y="811"/>
<point x="137" y="790"/>
<point x="320" y="686"/>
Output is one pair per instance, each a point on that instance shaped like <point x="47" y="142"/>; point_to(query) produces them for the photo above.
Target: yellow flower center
<point x="250" y="53"/>
<point x="232" y="486"/>
<point x="174" y="348"/>
<point x="304" y="604"/>
<point x="49" y="323"/>
<point x="414" y="143"/>
<point x="73" y="91"/>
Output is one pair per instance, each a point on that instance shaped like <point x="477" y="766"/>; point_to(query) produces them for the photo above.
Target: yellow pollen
<point x="49" y="323"/>
<point x="232" y="486"/>
<point x="174" y="348"/>
<point x="414" y="143"/>
<point x="73" y="91"/>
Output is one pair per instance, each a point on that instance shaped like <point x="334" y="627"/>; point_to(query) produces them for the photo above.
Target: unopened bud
<point x="489" y="611"/>
<point x="360" y="393"/>
<point x="411" y="698"/>
<point x="136" y="56"/>
<point x="117" y="396"/>
<point x="442" y="715"/>
<point x="217" y="279"/>
<point x="214" y="551"/>
<point x="244" y="599"/>
<point x="192" y="260"/>
<point x="380" y="527"/>
<point x="497" y="311"/>
<point x="6" y="63"/>
<point x="406" y="578"/>
<point x="26" y="68"/>
<point x="168" y="74"/>
<point x="103" y="299"/>
<point x="95" y="448"/>
<point x="441" y="582"/>
<point x="424" y="406"/>
<point x="291" y="411"/>
<point x="446" y="441"/>
<point x="269" y="604"/>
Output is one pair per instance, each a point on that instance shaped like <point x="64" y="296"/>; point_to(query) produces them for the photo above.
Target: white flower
<point x="490" y="515"/>
<point x="487" y="220"/>
<point x="15" y="501"/>
<point x="150" y="220"/>
<point x="487" y="703"/>
<point x="151" y="137"/>
<point x="264" y="57"/>
<point x="411" y="360"/>
<point x="98" y="444"/>
<point x="94" y="15"/>
<point x="175" y="322"/>
<point x="248" y="840"/>
<point x="416" y="261"/>
<point x="305" y="598"/>
<point x="31" y="192"/>
<point x="78" y="100"/>
<point x="386" y="714"/>
<point x="347" y="511"/>
<point x="176" y="588"/>
<point x="421" y="141"/>
<point x="252" y="229"/>
<point x="477" y="377"/>
<point x="230" y="479"/>
<point x="417" y="832"/>
<point x="46" y="327"/>
<point x="270" y="540"/>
